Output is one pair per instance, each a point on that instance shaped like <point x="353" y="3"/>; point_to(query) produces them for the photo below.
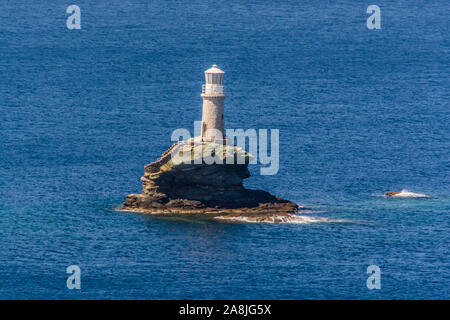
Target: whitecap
<point x="287" y="219"/>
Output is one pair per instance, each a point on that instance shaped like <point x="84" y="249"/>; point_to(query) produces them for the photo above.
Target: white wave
<point x="409" y="194"/>
<point x="291" y="219"/>
<point x="303" y="211"/>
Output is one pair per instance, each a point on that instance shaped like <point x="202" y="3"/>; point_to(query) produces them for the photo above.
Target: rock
<point x="392" y="193"/>
<point x="182" y="181"/>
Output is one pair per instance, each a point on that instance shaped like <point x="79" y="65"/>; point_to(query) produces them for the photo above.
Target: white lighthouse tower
<point x="213" y="105"/>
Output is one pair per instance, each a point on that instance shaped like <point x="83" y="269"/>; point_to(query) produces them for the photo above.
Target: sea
<point x="360" y="112"/>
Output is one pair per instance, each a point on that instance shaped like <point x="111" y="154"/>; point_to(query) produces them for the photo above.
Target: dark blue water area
<point x="360" y="112"/>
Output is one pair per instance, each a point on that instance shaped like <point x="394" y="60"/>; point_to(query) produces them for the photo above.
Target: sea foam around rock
<point x="285" y="219"/>
<point x="407" y="194"/>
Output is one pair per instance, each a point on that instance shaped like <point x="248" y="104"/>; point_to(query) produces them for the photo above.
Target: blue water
<point x="360" y="112"/>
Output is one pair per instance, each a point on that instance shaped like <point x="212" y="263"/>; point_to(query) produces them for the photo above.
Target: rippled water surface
<point x="360" y="112"/>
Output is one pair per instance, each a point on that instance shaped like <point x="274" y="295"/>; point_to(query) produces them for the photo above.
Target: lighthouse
<point x="213" y="105"/>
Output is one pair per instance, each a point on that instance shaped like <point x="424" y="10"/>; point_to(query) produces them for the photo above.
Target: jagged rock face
<point x="184" y="180"/>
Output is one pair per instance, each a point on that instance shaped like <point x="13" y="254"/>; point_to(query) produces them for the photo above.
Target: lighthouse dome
<point x="214" y="69"/>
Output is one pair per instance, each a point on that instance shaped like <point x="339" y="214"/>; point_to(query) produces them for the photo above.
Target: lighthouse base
<point x="215" y="140"/>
